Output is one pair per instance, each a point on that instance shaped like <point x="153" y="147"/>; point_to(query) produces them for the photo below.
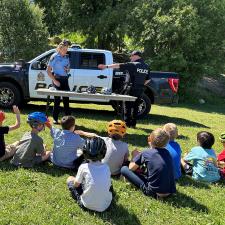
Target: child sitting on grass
<point x="7" y="151"/>
<point x="204" y="159"/>
<point x="117" y="151"/>
<point x="66" y="143"/>
<point x="91" y="186"/>
<point x="221" y="157"/>
<point x="174" y="148"/>
<point x="30" y="150"/>
<point x="159" y="180"/>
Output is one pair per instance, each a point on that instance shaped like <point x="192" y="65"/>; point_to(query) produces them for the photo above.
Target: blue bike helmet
<point x="36" y="118"/>
<point x="94" y="149"/>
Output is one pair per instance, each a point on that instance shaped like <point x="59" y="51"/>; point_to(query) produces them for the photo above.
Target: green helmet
<point x="222" y="137"/>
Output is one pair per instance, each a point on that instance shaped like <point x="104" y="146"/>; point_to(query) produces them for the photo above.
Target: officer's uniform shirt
<point x="139" y="72"/>
<point x="58" y="64"/>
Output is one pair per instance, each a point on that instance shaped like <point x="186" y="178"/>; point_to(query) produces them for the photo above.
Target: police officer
<point x="57" y="70"/>
<point x="139" y="74"/>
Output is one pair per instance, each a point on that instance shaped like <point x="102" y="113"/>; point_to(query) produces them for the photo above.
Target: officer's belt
<point x="61" y="77"/>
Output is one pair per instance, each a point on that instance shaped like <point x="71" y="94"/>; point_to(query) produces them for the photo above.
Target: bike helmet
<point x="91" y="89"/>
<point x="2" y="116"/>
<point x="106" y="91"/>
<point x="117" y="127"/>
<point x="222" y="137"/>
<point x="94" y="149"/>
<point x="36" y="118"/>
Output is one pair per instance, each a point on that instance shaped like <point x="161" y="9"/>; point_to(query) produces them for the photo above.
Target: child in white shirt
<point x="91" y="186"/>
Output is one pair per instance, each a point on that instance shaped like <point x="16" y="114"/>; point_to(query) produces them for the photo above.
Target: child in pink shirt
<point x="221" y="156"/>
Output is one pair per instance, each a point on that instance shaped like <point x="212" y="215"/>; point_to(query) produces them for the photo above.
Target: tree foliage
<point x="22" y="32"/>
<point x="52" y="15"/>
<point x="182" y="36"/>
<point x="185" y="36"/>
<point x="104" y="22"/>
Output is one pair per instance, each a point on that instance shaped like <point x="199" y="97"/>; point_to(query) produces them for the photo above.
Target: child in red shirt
<point x="221" y="156"/>
<point x="7" y="151"/>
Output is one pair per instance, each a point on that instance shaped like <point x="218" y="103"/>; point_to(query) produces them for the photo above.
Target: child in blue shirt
<point x="158" y="182"/>
<point x="174" y="148"/>
<point x="66" y="142"/>
<point x="203" y="158"/>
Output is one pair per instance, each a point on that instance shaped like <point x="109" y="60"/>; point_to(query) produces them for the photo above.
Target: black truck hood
<point x="8" y="68"/>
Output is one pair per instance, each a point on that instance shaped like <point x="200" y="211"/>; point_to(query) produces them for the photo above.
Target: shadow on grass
<point x="147" y="131"/>
<point x="132" y="139"/>
<point x="221" y="182"/>
<point x="55" y="171"/>
<point x="181" y="200"/>
<point x="107" y="115"/>
<point x="137" y="139"/>
<point x="45" y="167"/>
<point x="182" y="137"/>
<point x="92" y="130"/>
<point x="102" y="115"/>
<point x="160" y="119"/>
<point x="7" y="166"/>
<point x="188" y="181"/>
<point x="118" y="215"/>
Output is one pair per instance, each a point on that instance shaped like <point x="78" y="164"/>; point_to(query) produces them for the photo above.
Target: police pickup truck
<point x="20" y="80"/>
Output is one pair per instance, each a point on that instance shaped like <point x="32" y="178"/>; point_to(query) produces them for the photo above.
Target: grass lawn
<point x="40" y="196"/>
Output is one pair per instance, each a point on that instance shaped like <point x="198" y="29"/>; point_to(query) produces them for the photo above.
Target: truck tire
<point x="9" y="95"/>
<point x="144" y="106"/>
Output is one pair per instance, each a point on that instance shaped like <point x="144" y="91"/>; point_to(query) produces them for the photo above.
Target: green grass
<point x="40" y="196"/>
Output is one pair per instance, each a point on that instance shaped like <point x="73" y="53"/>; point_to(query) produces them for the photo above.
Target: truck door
<point x="86" y="71"/>
<point x="38" y="77"/>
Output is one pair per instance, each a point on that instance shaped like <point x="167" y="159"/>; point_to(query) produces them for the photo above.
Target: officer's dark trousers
<point x="131" y="112"/>
<point x="64" y="86"/>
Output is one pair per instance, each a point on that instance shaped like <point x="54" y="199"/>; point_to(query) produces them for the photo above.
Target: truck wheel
<point x="144" y="106"/>
<point x="9" y="95"/>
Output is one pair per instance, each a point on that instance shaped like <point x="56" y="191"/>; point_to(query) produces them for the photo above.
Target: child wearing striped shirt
<point x="65" y="144"/>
